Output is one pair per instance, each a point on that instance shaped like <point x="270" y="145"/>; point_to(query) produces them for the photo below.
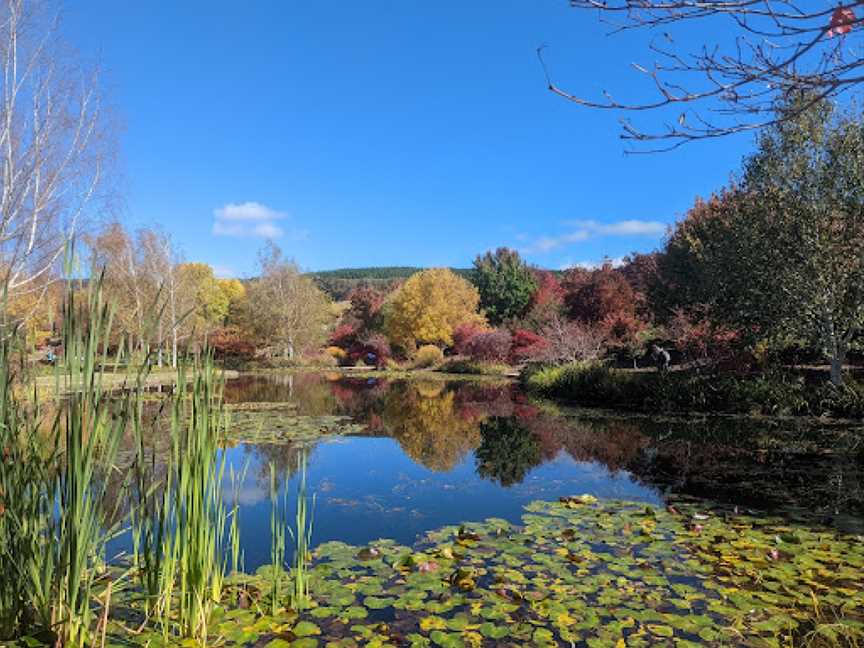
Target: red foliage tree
<point x="549" y="289"/>
<point x="526" y="345"/>
<point x="366" y="307"/>
<point x="700" y="339"/>
<point x="229" y="342"/>
<point x="593" y="295"/>
<point x="344" y="336"/>
<point x="491" y="346"/>
<point x="640" y="271"/>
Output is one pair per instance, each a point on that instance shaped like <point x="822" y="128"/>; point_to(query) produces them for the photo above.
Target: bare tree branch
<point x="780" y="48"/>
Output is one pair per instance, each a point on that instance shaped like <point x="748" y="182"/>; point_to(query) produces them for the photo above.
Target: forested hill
<point x="338" y="283"/>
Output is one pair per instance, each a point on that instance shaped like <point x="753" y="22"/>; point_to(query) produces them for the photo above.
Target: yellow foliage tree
<point x="428" y="306"/>
<point x="204" y="296"/>
<point x="235" y="292"/>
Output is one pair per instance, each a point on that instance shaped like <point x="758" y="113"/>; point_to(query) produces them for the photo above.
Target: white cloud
<point x="583" y="230"/>
<point x="622" y="228"/>
<point x="247" y="211"/>
<point x="617" y="262"/>
<point x="250" y="219"/>
<point x="224" y="272"/>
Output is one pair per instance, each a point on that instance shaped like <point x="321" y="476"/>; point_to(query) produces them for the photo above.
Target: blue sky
<point x="383" y="133"/>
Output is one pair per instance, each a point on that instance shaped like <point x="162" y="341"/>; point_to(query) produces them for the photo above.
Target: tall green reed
<point x="193" y="551"/>
<point x="55" y="480"/>
<point x="302" y="536"/>
<point x="237" y="479"/>
<point x="278" y="522"/>
<point x="24" y="508"/>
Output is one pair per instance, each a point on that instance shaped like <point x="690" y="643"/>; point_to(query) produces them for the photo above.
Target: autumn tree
<point x="506" y="284"/>
<point x="203" y="302"/>
<point x="234" y="292"/>
<point x="783" y="253"/>
<point x="592" y="296"/>
<point x="55" y="143"/>
<point x="286" y="309"/>
<point x="116" y="255"/>
<point x="429" y="306"/>
<point x="547" y="303"/>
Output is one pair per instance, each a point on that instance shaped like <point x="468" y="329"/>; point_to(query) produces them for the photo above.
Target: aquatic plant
<point x="237" y="480"/>
<point x="302" y="536"/>
<point x="278" y="523"/>
<point x="54" y="531"/>
<point x="25" y="476"/>
<point x="194" y="548"/>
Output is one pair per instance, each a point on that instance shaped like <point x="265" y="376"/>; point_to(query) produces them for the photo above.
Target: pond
<point x="396" y="459"/>
<point x="460" y="513"/>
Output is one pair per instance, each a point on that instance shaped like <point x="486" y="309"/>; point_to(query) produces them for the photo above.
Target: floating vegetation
<point x="576" y="572"/>
<point x="271" y="425"/>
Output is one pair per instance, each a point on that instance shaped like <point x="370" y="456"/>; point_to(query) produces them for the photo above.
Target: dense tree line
<point x="772" y="261"/>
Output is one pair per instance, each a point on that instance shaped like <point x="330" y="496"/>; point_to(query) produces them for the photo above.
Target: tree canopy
<point x="506" y="284"/>
<point x="781" y="253"/>
<point x="428" y="306"/>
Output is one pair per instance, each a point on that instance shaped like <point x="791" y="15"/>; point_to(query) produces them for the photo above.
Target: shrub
<point x="773" y="393"/>
<point x="374" y="344"/>
<point x="323" y="360"/>
<point x="493" y="346"/>
<point x="337" y="353"/>
<point x="391" y="365"/>
<point x="344" y="336"/>
<point x="426" y="356"/>
<point x="463" y="333"/>
<point x="469" y="367"/>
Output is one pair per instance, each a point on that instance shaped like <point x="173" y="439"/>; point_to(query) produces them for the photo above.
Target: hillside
<point x="340" y="282"/>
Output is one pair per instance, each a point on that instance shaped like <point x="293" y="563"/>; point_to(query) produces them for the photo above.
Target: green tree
<point x="506" y="284"/>
<point x="781" y="255"/>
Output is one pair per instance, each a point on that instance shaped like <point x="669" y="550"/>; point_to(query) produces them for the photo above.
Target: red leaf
<point x="842" y="21"/>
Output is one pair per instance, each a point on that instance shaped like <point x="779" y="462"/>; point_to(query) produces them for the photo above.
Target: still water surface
<point x="426" y="454"/>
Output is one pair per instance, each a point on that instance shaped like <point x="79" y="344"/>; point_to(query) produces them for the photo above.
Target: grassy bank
<point x="779" y="393"/>
<point x="447" y="371"/>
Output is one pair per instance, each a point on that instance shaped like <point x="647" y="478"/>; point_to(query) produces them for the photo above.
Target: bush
<point x="772" y="394"/>
<point x="344" y="336"/>
<point x="469" y="367"/>
<point x="493" y="346"/>
<point x="323" y="360"/>
<point x="391" y="365"/>
<point x="337" y="353"/>
<point x="374" y="344"/>
<point x="427" y="356"/>
<point x="463" y="333"/>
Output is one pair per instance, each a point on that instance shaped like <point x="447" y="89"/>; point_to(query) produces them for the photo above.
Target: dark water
<point x="436" y="453"/>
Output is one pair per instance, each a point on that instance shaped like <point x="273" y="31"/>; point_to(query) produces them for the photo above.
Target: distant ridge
<point x="340" y="282"/>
